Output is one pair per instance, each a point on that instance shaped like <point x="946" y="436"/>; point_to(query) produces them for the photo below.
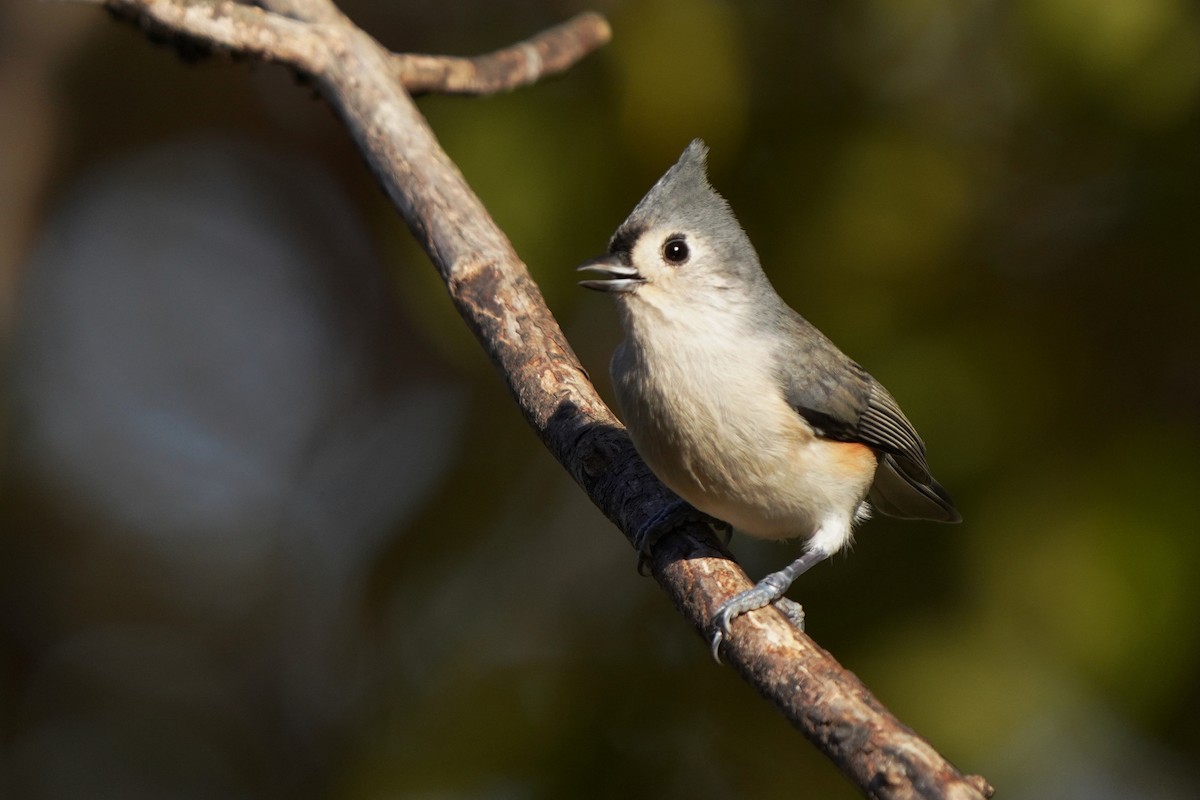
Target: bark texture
<point x="371" y="89"/>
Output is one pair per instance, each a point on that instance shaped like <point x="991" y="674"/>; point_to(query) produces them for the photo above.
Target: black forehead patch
<point x="624" y="239"/>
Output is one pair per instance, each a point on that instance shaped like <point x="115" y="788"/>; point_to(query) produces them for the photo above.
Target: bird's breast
<point x="706" y="413"/>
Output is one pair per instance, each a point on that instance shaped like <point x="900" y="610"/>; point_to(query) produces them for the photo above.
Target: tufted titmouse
<point x="735" y="401"/>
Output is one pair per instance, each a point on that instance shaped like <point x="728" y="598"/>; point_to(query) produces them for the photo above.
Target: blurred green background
<point x="272" y="527"/>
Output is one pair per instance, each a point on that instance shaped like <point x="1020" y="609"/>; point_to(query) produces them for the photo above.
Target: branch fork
<point x="371" y="89"/>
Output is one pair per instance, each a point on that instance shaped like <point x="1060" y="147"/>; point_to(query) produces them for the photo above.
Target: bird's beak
<point x="617" y="277"/>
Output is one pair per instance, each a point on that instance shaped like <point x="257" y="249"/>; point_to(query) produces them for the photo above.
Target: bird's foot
<point x="793" y="611"/>
<point x="667" y="519"/>
<point x="767" y="591"/>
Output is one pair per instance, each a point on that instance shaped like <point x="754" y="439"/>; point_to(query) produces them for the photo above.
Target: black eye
<point x="675" y="251"/>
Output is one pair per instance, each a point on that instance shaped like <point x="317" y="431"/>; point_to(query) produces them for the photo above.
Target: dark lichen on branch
<point x="501" y="303"/>
<point x="190" y="49"/>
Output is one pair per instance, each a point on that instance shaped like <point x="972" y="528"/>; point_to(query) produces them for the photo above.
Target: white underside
<point x="709" y="418"/>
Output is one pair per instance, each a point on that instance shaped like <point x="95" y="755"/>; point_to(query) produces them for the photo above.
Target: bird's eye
<point x="675" y="251"/>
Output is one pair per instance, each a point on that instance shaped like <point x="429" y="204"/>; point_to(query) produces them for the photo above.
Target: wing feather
<point x="842" y="402"/>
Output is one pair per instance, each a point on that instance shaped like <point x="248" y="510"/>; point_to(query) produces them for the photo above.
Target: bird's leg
<point x="767" y="591"/>
<point x="668" y="518"/>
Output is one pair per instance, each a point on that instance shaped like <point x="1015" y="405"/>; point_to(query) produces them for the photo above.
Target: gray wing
<point x="841" y="401"/>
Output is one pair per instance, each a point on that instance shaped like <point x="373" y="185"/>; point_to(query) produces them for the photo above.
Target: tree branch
<point x="304" y="10"/>
<point x="550" y="52"/>
<point x="233" y="26"/>
<point x="495" y="294"/>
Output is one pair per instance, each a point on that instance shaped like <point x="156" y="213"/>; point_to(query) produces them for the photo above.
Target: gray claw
<point x="717" y="638"/>
<point x="654" y="529"/>
<point x="767" y="591"/>
<point x="720" y="622"/>
<point x="664" y="521"/>
<point x="793" y="611"/>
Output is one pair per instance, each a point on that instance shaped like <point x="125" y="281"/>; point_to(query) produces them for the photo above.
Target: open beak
<point x="616" y="277"/>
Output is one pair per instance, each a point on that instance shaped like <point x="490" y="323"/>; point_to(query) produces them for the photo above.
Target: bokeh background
<point x="272" y="527"/>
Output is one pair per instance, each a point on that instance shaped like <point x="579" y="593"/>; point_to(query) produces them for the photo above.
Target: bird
<point x="737" y="403"/>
